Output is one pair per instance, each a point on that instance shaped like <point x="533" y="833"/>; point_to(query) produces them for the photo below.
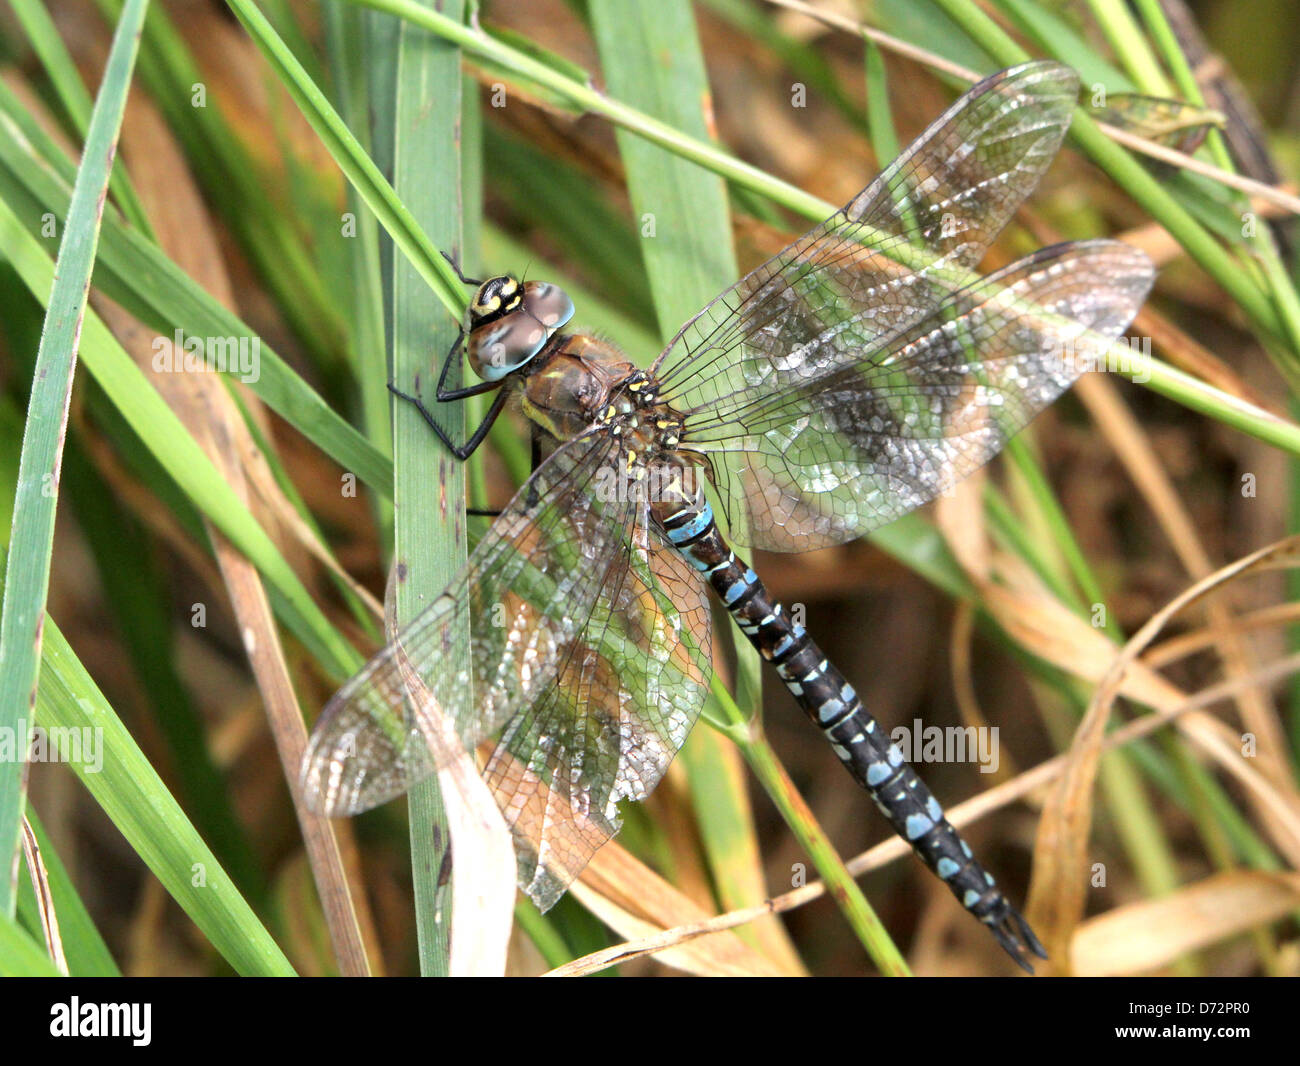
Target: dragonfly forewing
<point x="892" y="254"/>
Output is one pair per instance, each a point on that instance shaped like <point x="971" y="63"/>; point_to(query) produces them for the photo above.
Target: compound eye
<point x="547" y="303"/>
<point x="497" y="349"/>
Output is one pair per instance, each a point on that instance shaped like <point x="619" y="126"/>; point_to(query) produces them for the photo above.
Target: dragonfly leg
<point x="446" y="395"/>
<point x="534" y="461"/>
<point x="460" y="451"/>
<point x="463" y="279"/>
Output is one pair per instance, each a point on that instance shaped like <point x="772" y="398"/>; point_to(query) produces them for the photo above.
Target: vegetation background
<point x="220" y="548"/>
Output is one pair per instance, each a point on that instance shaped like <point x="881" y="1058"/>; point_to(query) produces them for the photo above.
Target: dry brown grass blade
<point x="1134" y="450"/>
<point x="44" y="900"/>
<point x="961" y="815"/>
<point x="1197" y="640"/>
<point x="632" y="899"/>
<point x="1145" y="936"/>
<point x="668" y="942"/>
<point x="202" y="402"/>
<point x="959" y="514"/>
<point x="735" y="866"/>
<point x="1278" y="810"/>
<point x="1060" y="868"/>
<point x="1041" y="624"/>
<point x="963" y="682"/>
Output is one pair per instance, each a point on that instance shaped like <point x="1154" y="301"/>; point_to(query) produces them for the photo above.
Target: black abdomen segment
<point x="858" y="739"/>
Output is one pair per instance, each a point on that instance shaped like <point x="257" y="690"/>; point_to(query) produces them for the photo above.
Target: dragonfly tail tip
<point x="1018" y="939"/>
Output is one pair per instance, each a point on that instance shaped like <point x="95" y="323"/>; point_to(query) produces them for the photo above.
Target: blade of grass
<point x="138" y="803"/>
<point x="880" y="119"/>
<point x="1125" y="40"/>
<point x="237" y="185"/>
<point x="361" y="171"/>
<point x="31" y="541"/>
<point x="83" y="947"/>
<point x="1276" y="277"/>
<point x="20" y="954"/>
<point x="429" y="487"/>
<point x="62" y="72"/>
<point x="171" y="444"/>
<point x="345" y="41"/>
<point x="135" y="273"/>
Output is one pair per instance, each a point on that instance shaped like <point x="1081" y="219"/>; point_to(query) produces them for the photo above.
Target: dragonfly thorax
<point x="581" y="382"/>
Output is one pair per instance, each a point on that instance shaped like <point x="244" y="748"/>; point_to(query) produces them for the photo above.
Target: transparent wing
<point x="489" y="645"/>
<point x="826" y="461"/>
<point x="625" y="700"/>
<point x="890" y="256"/>
<point x="564" y="596"/>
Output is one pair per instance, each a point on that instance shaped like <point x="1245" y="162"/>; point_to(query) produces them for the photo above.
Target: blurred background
<point x="982" y="611"/>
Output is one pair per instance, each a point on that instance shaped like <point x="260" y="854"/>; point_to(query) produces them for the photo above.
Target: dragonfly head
<point x="510" y="322"/>
<point x="495" y="298"/>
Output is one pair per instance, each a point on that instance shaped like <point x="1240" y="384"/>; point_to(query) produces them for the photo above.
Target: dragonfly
<point x="854" y="376"/>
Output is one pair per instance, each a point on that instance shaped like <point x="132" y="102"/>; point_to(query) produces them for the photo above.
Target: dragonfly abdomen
<point x="875" y="762"/>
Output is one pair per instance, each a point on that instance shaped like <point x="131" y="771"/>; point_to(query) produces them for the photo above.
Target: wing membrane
<point x="889" y="256"/>
<point x="869" y="441"/>
<point x="488" y="645"/>
<point x="620" y="709"/>
<point x="561" y="644"/>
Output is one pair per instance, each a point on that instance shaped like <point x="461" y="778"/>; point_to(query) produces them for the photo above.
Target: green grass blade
<point x="28" y="571"/>
<point x="62" y="71"/>
<point x="137" y="274"/>
<point x="179" y="454"/>
<point x="429" y="485"/>
<point x="139" y="804"/>
<point x="20" y="955"/>
<point x="86" y="953"/>
<point x="359" y="167"/>
<point x="237" y="185"/>
<point x="880" y="119"/>
<point x="345" y="37"/>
